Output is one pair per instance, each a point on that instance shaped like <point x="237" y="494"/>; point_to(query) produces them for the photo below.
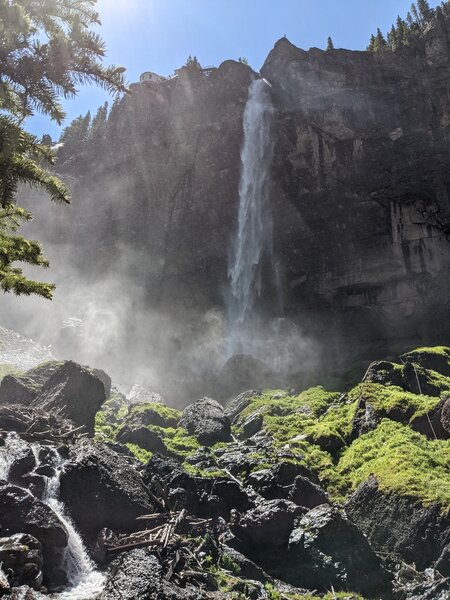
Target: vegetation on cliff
<point x="406" y="31"/>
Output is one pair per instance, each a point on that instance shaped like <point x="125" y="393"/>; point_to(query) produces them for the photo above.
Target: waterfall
<point x="84" y="581"/>
<point x="252" y="244"/>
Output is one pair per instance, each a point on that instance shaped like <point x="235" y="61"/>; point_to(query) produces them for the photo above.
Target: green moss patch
<point x="403" y="461"/>
<point x="394" y="402"/>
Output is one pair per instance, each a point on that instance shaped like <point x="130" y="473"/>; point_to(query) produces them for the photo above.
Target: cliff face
<point x="361" y="185"/>
<point x="362" y="164"/>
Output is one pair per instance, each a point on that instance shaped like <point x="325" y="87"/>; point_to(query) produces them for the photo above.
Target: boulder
<point x="21" y="513"/>
<point x="328" y="551"/>
<point x="202" y="496"/>
<point x="75" y="391"/>
<point x="21" y="560"/>
<point x="436" y="359"/>
<point x="138" y="575"/>
<point x="268" y="525"/>
<point x="151" y="416"/>
<point x="306" y="493"/>
<point x="206" y="420"/>
<point x="142" y="436"/>
<point x="400" y="525"/>
<point x="101" y="489"/>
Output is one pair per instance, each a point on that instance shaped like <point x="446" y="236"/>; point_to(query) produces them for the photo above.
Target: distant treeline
<point x="406" y="31"/>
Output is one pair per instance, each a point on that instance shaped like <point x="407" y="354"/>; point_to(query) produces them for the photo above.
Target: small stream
<point x="84" y="581"/>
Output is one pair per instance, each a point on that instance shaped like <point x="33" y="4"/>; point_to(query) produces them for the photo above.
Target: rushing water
<point x="253" y="240"/>
<point x="84" y="581"/>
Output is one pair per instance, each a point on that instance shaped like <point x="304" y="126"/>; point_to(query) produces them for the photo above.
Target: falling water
<point x="84" y="581"/>
<point x="253" y="240"/>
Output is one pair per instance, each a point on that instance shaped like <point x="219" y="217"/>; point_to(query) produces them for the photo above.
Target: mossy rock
<point x="153" y="414"/>
<point x="436" y="358"/>
<point x="402" y="460"/>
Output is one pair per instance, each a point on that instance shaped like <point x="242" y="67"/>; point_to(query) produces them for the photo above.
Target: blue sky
<point x="158" y="35"/>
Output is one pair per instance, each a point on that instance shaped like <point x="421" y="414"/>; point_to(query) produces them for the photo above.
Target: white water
<point x="253" y="240"/>
<point x="84" y="581"/>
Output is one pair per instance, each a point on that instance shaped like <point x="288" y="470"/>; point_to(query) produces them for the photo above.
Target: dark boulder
<point x="399" y="525"/>
<point x="252" y="425"/>
<point x="21" y="513"/>
<point x="142" y="436"/>
<point x="101" y="489"/>
<point x="24" y="460"/>
<point x="208" y="497"/>
<point x="138" y="575"/>
<point x="269" y="524"/>
<point x="21" y="560"/>
<point x="75" y="391"/>
<point x="151" y="416"/>
<point x="308" y="494"/>
<point x="206" y="421"/>
<point x="327" y="550"/>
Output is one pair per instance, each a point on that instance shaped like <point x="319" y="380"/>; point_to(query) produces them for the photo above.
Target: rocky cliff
<point x="360" y="189"/>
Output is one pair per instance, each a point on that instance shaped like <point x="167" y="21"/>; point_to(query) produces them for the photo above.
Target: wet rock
<point x="23" y="463"/>
<point x="399" y="524"/>
<point x="206" y="420"/>
<point x="21" y="513"/>
<point x="308" y="494"/>
<point x="21" y="560"/>
<point x="101" y="489"/>
<point x="267" y="525"/>
<point x="45" y="471"/>
<point x="143" y="437"/>
<point x="138" y="575"/>
<point x="75" y="391"/>
<point x="141" y="395"/>
<point x="327" y="550"/>
<point x="35" y="483"/>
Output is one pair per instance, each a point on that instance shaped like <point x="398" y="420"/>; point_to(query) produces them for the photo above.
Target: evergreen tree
<point x="330" y="45"/>
<point x="426" y="13"/>
<point x="100" y="119"/>
<point x="48" y="48"/>
<point x="371" y="46"/>
<point x="380" y="42"/>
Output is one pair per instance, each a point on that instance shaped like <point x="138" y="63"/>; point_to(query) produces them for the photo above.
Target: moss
<point x="141" y="454"/>
<point x="198" y="472"/>
<point x="403" y="461"/>
<point x="110" y="417"/>
<point x="392" y="400"/>
<point x="177" y="440"/>
<point x="8" y="369"/>
<point x="168" y="416"/>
